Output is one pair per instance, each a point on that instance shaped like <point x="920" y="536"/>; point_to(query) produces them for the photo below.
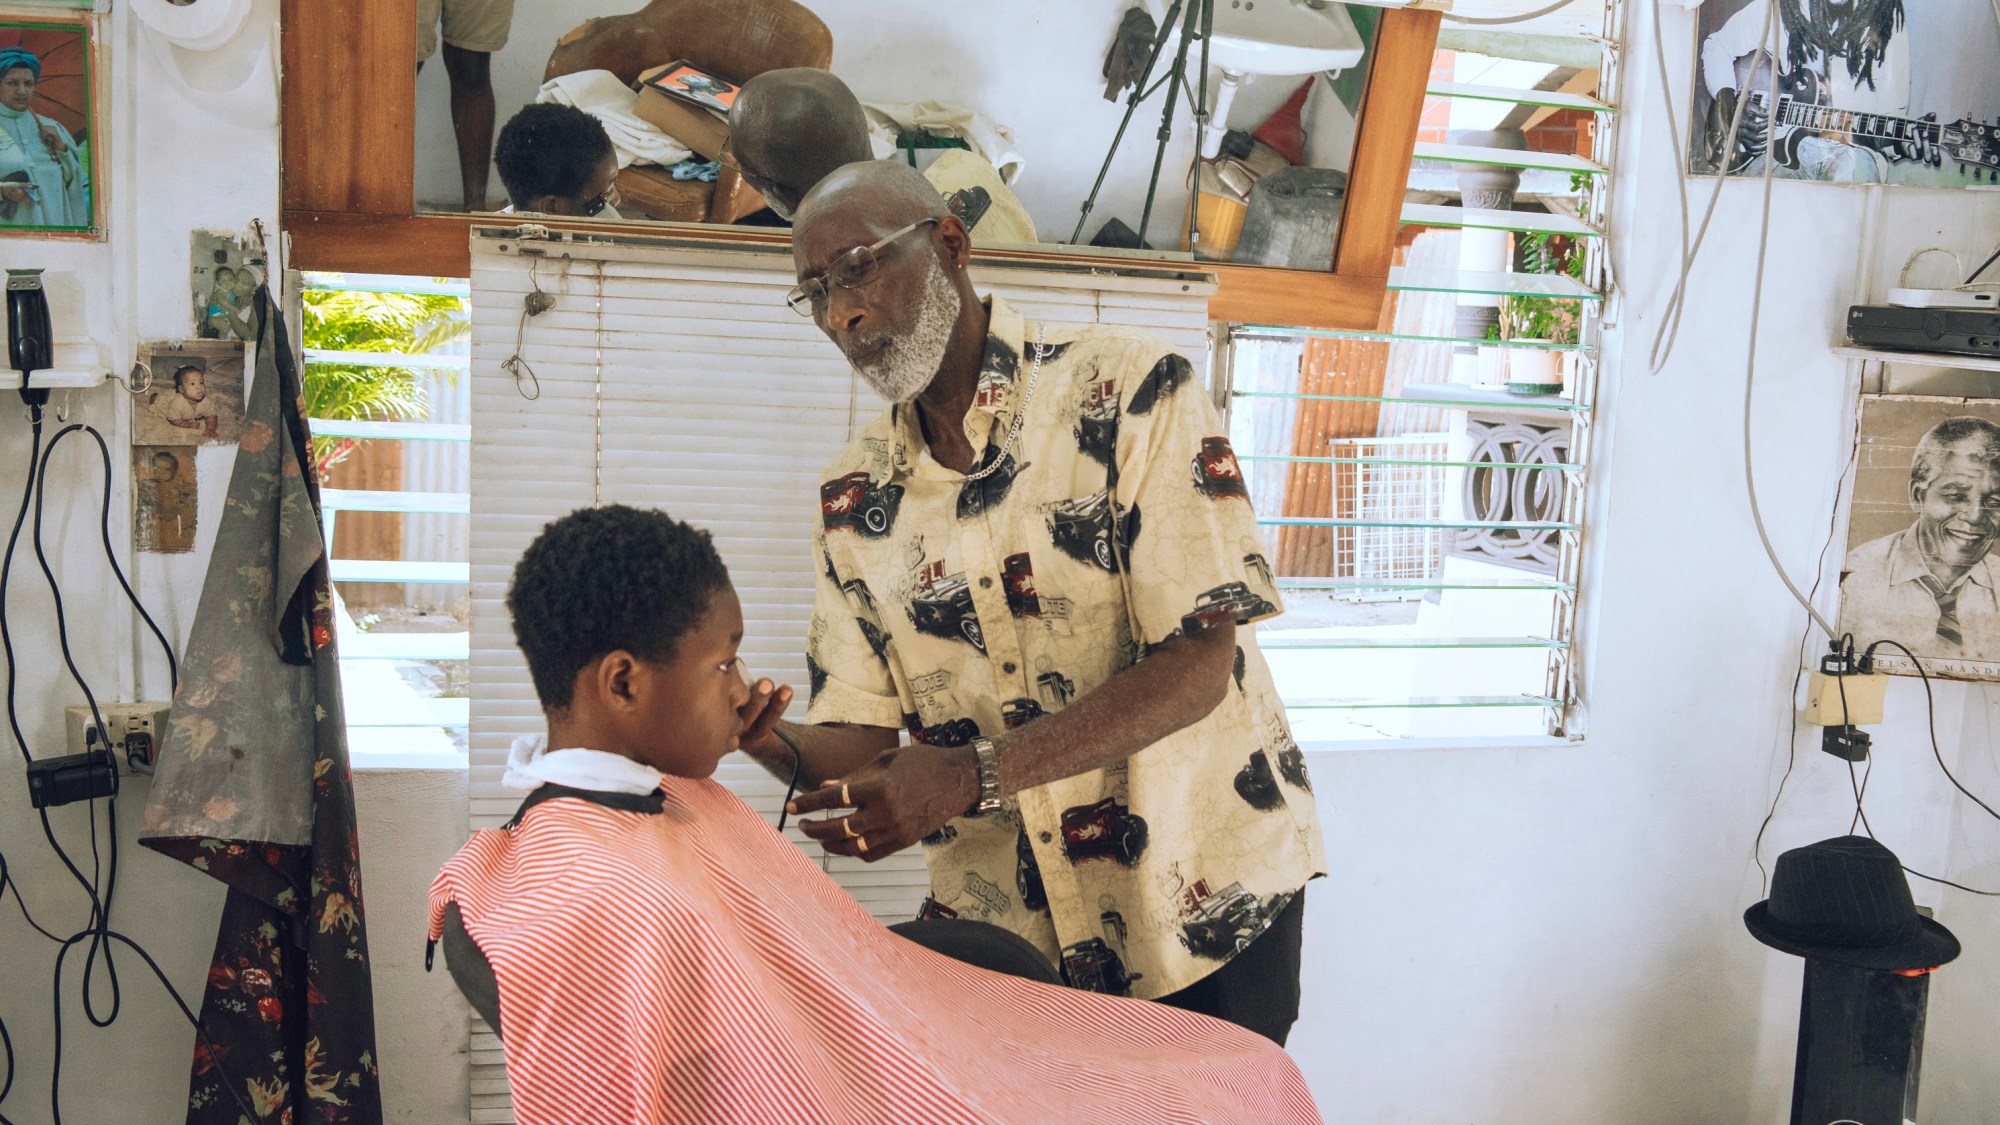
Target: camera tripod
<point x="1197" y="24"/>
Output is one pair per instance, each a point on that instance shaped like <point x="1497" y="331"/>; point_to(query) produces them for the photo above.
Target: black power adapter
<point x="75" y="777"/>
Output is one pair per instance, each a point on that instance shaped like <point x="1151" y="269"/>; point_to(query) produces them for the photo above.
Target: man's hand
<point x="767" y="705"/>
<point x="13" y="193"/>
<point x="898" y="799"/>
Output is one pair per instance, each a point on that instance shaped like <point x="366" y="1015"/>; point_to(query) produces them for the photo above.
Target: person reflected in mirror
<point x="473" y="31"/>
<point x="1934" y="585"/>
<point x="790" y="128"/>
<point x="558" y="160"/>
<point x="43" y="182"/>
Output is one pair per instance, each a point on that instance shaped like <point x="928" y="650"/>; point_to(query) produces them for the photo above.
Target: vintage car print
<point x="1167" y="376"/>
<point x="1226" y="922"/>
<point x="1017" y="573"/>
<point x="1094" y="966"/>
<point x="1105" y="830"/>
<point x="1216" y="473"/>
<point x="1097" y="432"/>
<point x="953" y="732"/>
<point x="944" y="609"/>
<point x="1028" y="874"/>
<point x="1257" y="785"/>
<point x="1082" y="529"/>
<point x="1231" y="601"/>
<point x="976" y="496"/>
<point x="1020" y="712"/>
<point x="853" y="503"/>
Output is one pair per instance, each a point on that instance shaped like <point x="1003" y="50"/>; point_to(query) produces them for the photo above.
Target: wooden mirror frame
<point x="348" y="178"/>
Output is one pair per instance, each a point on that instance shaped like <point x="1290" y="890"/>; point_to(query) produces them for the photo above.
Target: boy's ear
<point x="617" y="673"/>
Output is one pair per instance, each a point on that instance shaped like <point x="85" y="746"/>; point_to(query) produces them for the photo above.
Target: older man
<point x="790" y="128"/>
<point x="1039" y="561"/>
<point x="1933" y="585"/>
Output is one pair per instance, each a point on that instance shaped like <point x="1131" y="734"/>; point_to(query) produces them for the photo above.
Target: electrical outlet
<point x="122" y="719"/>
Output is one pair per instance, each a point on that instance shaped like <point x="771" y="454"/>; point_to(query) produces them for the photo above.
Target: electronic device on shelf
<point x="1945" y="298"/>
<point x="1945" y="330"/>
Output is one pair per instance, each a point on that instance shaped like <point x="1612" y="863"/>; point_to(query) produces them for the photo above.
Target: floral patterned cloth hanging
<point x="252" y="787"/>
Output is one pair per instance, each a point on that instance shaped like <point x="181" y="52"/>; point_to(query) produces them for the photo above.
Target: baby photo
<point x="196" y="397"/>
<point x="224" y="276"/>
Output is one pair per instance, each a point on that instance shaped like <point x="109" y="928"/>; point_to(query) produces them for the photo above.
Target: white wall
<point x="1555" y="935"/>
<point x="135" y="286"/>
<point x="1032" y="65"/>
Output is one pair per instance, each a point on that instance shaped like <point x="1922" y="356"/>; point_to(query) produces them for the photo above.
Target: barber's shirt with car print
<point x="955" y="608"/>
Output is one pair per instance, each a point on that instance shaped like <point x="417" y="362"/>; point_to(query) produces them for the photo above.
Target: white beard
<point x="909" y="363"/>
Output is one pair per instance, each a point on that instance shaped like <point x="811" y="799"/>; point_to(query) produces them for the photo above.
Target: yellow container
<point x="1219" y="210"/>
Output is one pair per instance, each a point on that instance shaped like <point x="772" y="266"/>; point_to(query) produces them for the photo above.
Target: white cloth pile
<point x="993" y="141"/>
<point x="601" y="95"/>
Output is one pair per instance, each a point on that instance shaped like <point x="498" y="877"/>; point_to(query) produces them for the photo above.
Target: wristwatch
<point x="989" y="778"/>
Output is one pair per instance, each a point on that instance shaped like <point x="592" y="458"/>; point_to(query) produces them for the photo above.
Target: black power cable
<point x="1861" y="790"/>
<point x="102" y="883"/>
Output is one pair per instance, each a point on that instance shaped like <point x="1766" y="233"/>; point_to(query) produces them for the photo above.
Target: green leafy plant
<point x="356" y="321"/>
<point x="1553" y="319"/>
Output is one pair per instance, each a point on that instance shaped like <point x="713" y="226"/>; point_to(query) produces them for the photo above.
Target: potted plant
<point x="1539" y="326"/>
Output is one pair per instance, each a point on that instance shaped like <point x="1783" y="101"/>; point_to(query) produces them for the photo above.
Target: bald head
<point x="878" y="195"/>
<point x="789" y="128"/>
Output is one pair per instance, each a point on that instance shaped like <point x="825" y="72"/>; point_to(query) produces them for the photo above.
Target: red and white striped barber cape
<point x="694" y="966"/>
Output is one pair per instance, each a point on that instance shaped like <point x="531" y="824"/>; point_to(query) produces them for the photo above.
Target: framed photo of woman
<point x="49" y="128"/>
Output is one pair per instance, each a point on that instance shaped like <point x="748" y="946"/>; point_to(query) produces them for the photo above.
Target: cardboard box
<point x="701" y="130"/>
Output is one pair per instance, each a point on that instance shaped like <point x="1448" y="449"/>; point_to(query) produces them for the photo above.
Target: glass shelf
<point x="1495" y="283"/>
<point x="1270" y="331"/>
<point x="1522" y="402"/>
<point x="1522" y="585"/>
<point x="1486" y="218"/>
<point x="1412" y="463"/>
<point x="1281" y="644"/>
<point x="1507" y="158"/>
<point x="1555" y="99"/>
<point x="1421" y="703"/>
<point x="1427" y="525"/>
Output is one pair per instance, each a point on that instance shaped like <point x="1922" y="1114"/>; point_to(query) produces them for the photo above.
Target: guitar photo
<point x="1801" y="112"/>
<point x="1848" y="104"/>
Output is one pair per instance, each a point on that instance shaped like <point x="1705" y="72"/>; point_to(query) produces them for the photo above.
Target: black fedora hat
<point x="1846" y="900"/>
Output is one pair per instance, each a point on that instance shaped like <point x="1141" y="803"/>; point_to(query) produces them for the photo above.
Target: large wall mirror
<point x="1291" y="194"/>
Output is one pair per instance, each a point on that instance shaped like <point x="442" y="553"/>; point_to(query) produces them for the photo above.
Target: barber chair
<point x="734" y="40"/>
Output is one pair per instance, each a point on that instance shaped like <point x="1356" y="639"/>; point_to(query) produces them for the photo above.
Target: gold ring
<point x="847" y="830"/>
<point x="861" y="843"/>
<point x="845" y="802"/>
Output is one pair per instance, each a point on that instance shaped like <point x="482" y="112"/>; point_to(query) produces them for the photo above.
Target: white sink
<point x="1250" y="37"/>
<point x="1273" y="37"/>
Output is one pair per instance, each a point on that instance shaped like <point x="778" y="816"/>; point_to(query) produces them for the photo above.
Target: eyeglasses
<point x="851" y="270"/>
<point x="606" y="198"/>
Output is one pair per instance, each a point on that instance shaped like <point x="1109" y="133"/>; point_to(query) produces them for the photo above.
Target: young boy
<point x="558" y="160"/>
<point x="658" y="953"/>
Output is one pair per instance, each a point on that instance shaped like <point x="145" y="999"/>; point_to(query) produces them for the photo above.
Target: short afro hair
<point x="549" y="149"/>
<point x="608" y="579"/>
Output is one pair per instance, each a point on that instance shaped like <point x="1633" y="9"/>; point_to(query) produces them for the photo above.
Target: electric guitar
<point x="1801" y="111"/>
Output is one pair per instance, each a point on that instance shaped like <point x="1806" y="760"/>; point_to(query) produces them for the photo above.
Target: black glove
<point x="1130" y="48"/>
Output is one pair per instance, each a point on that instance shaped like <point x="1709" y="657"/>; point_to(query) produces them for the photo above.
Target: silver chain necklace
<point x="1020" y="413"/>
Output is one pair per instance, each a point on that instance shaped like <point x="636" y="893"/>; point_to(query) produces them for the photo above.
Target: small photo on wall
<point x="163" y="487"/>
<point x="196" y="397"/>
<point x="226" y="270"/>
<point x="1922" y="525"/>
<point x="48" y="133"/>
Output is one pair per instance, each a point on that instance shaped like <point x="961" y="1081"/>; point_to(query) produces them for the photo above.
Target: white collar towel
<point x="531" y="765"/>
<point x="601" y="95"/>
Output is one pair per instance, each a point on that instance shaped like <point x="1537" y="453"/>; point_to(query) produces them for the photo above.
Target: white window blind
<point x="672" y="375"/>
